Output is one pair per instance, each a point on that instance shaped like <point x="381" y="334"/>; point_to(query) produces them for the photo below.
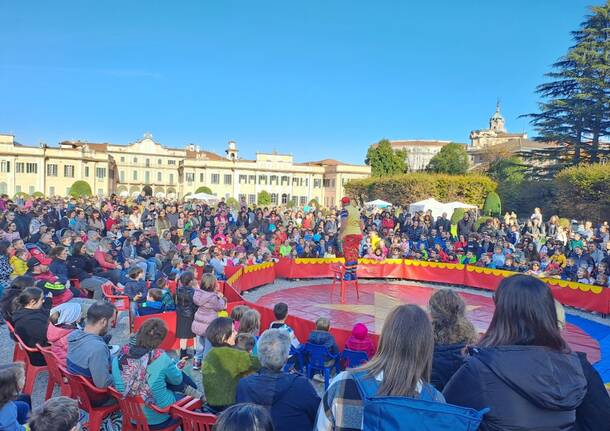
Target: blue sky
<point x="315" y="78"/>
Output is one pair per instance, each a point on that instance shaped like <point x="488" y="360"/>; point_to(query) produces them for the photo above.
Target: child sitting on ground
<point x="360" y="340"/>
<point x="280" y="311"/>
<point x="322" y="337"/>
<point x="153" y="303"/>
<point x="135" y="288"/>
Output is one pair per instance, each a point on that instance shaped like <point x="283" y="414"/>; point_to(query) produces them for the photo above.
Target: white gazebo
<point x="378" y="203"/>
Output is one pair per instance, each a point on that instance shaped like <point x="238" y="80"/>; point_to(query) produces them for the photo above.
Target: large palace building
<point x="172" y="172"/>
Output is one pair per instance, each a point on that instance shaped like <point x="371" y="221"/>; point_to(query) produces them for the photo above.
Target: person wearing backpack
<point x="400" y="372"/>
<point x="522" y="369"/>
<point x="142" y="369"/>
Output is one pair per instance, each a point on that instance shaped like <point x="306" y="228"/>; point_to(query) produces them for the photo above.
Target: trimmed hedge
<point x="492" y="205"/>
<point x="204" y="189"/>
<point x="80" y="188"/>
<point x="232" y="203"/>
<point x="583" y="192"/>
<point x="408" y="188"/>
<point x="264" y="198"/>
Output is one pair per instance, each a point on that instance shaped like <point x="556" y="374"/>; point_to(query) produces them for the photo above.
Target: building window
<point x="31" y="168"/>
<point x="306" y="182"/>
<point x="284" y="198"/>
<point x="273" y="179"/>
<point x="122" y="176"/>
<point x="303" y="201"/>
<point x="100" y="172"/>
<point x="135" y="175"/>
<point x="243" y="179"/>
<point x="242" y="199"/>
<point x="295" y="200"/>
<point x="159" y="177"/>
<point x="262" y="179"/>
<point x="51" y="191"/>
<point x="215" y="178"/>
<point x="51" y="170"/>
<point x="171" y="162"/>
<point x="285" y="180"/>
<point x="5" y="166"/>
<point x="190" y="177"/>
<point x="147" y="163"/>
<point x="274" y="198"/>
<point x="202" y="177"/>
<point x="326" y="182"/>
<point x="171" y="178"/>
<point x="31" y="190"/>
<point x="228" y="179"/>
<point x="122" y="159"/>
<point x="147" y="177"/>
<point x="18" y="190"/>
<point x="100" y="192"/>
<point x="86" y="171"/>
<point x="251" y="199"/>
<point x="295" y="181"/>
<point x="135" y="160"/>
<point x="69" y="171"/>
<point x="332" y="183"/>
<point x="159" y="161"/>
<point x="20" y="167"/>
<point x="251" y="179"/>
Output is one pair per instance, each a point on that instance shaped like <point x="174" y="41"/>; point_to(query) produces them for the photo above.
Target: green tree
<point x="147" y="190"/>
<point x="264" y="198"/>
<point x="204" y="189"/>
<point x="232" y="203"/>
<point x="80" y="188"/>
<point x="574" y="113"/>
<point x="451" y="159"/>
<point x="492" y="205"/>
<point x="384" y="160"/>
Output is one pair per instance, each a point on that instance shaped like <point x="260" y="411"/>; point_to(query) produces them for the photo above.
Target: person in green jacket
<point x="225" y="365"/>
<point x="145" y="370"/>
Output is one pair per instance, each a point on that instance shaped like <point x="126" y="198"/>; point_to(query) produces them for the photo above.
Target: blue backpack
<point x="391" y="413"/>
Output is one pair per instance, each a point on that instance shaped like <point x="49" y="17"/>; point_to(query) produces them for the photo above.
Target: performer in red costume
<point x="350" y="234"/>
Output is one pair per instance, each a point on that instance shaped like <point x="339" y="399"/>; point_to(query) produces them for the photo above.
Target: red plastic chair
<point x="31" y="371"/>
<point x="133" y="415"/>
<point x="75" y="282"/>
<point x="17" y="352"/>
<point x="191" y="420"/>
<point x="170" y="342"/>
<point x="55" y="375"/>
<point x="121" y="302"/>
<point x="82" y="389"/>
<point x="338" y="272"/>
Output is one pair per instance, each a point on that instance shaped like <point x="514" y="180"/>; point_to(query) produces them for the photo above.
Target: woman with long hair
<point x="401" y="367"/>
<point x="523" y="370"/>
<point x="31" y="318"/>
<point x="452" y="333"/>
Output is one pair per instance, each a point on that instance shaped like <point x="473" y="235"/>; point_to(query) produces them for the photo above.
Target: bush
<point x="492" y="205"/>
<point x="458" y="214"/>
<point x="22" y="195"/>
<point x="480" y="222"/>
<point x="408" y="188"/>
<point x="291" y="204"/>
<point x="37" y="195"/>
<point x="79" y="189"/>
<point x="584" y="192"/>
<point x="204" y="189"/>
<point x="147" y="190"/>
<point x="264" y="198"/>
<point x="314" y="203"/>
<point x="565" y="222"/>
<point x="232" y="203"/>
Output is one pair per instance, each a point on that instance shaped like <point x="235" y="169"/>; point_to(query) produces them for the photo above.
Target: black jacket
<point x="31" y="326"/>
<point x="290" y="398"/>
<point x="448" y="358"/>
<point x="79" y="266"/>
<point x="525" y="387"/>
<point x="594" y="412"/>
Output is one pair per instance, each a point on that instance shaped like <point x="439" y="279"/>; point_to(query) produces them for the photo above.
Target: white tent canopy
<point x="451" y="206"/>
<point x="431" y="204"/>
<point x="378" y="203"/>
<point x="203" y="197"/>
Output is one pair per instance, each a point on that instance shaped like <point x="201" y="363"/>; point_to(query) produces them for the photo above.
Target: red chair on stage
<point x="338" y="272"/>
<point x="83" y="390"/>
<point x="183" y="410"/>
<point x="55" y="375"/>
<point x="133" y="416"/>
<point x="31" y="371"/>
<point x="121" y="302"/>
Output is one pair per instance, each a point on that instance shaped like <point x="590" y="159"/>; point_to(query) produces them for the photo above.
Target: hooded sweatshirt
<point x="89" y="356"/>
<point x="360" y="340"/>
<point x="58" y="337"/>
<point x="290" y="398"/>
<point x="525" y="387"/>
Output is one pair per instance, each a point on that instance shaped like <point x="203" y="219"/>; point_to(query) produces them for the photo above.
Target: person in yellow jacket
<point x="350" y="234"/>
<point x="19" y="263"/>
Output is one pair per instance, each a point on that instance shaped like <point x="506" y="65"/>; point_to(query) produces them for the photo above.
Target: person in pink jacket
<point x="63" y="320"/>
<point x="210" y="301"/>
<point x="360" y="340"/>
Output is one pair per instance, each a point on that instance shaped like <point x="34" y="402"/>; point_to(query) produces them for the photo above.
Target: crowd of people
<point x="58" y="256"/>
